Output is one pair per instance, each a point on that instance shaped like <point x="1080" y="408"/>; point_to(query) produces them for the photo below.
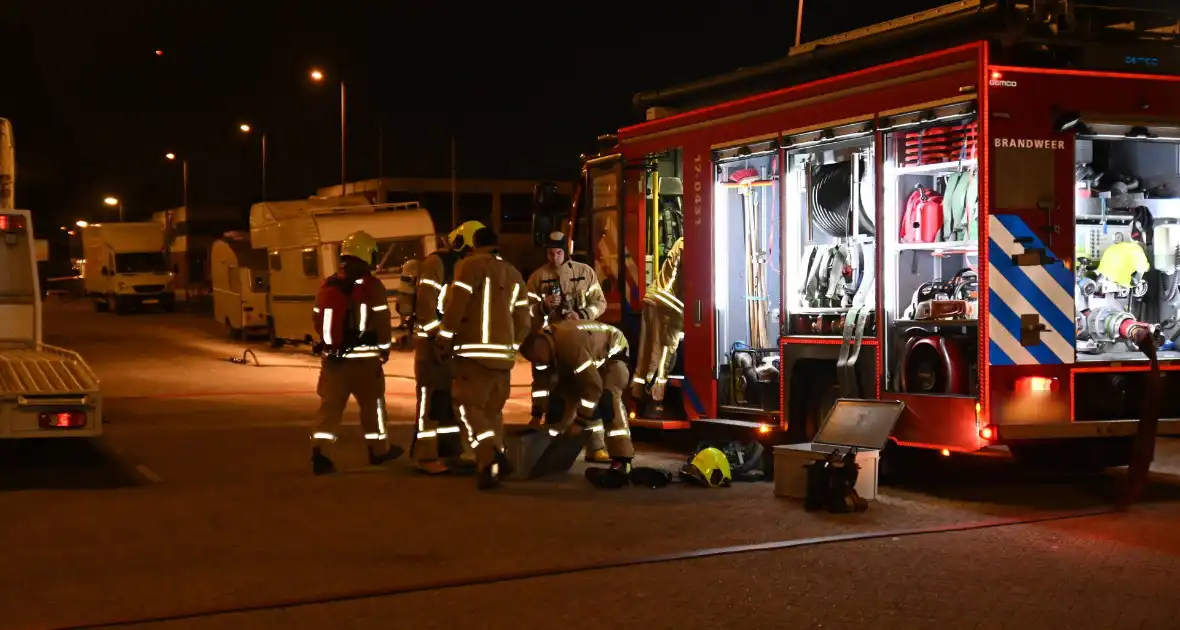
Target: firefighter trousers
<point x="612" y="430"/>
<point x="659" y="336"/>
<point x="437" y="433"/>
<point x="362" y="379"/>
<point x="479" y="393"/>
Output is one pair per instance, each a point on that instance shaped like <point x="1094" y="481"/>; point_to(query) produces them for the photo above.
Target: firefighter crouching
<point x="661" y="330"/>
<point x="560" y="290"/>
<point x="485" y="318"/>
<point x="437" y="435"/>
<point x="352" y="316"/>
<point x="583" y="360"/>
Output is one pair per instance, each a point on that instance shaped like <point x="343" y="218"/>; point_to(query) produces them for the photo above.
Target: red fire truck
<point x="972" y="210"/>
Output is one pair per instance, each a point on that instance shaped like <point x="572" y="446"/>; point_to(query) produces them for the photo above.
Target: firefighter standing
<point x="436" y="422"/>
<point x="485" y="318"/>
<point x="351" y="314"/>
<point x="564" y="289"/>
<point x="583" y="360"/>
<point x="661" y="330"/>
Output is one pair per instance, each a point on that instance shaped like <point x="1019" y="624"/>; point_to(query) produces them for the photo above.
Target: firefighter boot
<point x="617" y="476"/>
<point x="393" y="453"/>
<point x="597" y="456"/>
<point x="490" y="477"/>
<point x="320" y="464"/>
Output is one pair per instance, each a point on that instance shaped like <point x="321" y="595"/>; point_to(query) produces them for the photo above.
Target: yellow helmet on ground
<point x="708" y="468"/>
<point x="463" y="237"/>
<point x="360" y="245"/>
<point x="1121" y="260"/>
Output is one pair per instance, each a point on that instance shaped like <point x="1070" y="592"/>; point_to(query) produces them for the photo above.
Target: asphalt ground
<point x="199" y="500"/>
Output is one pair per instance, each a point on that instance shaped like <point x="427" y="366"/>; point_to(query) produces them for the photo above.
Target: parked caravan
<point x="302" y="243"/>
<point x="240" y="281"/>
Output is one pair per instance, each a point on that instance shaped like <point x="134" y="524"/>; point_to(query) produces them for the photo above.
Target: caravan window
<point x="311" y="263"/>
<point x="393" y="253"/>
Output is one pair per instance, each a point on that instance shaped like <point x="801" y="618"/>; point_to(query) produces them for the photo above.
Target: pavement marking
<point x="149" y="474"/>
<point x="530" y="574"/>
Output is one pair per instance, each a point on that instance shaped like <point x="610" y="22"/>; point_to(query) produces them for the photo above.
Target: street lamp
<point x="318" y="76"/>
<point x="81" y="223"/>
<point x="246" y="129"/>
<point x="115" y="201"/>
<point x="184" y="175"/>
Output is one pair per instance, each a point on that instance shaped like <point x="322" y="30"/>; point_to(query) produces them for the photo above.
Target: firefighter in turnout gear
<point x="583" y="361"/>
<point x="485" y="318"/>
<point x="661" y="331"/>
<point x="352" y="316"/>
<point x="437" y="434"/>
<point x="564" y="289"/>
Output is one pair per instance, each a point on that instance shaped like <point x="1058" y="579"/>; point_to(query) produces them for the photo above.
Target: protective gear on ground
<point x="485" y="318"/>
<point x="587" y="359"/>
<point x="360" y="245"/>
<point x="463" y="237"/>
<point x="709" y="468"/>
<point x="437" y="432"/>
<point x="352" y="317"/>
<point x="662" y="327"/>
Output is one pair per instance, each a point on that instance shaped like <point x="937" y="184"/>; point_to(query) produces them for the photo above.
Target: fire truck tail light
<point x="1035" y="385"/>
<point x="62" y="420"/>
<point x="996" y="74"/>
<point x="988" y="432"/>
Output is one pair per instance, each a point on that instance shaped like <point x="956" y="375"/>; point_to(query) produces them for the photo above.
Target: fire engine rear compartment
<point x="1127" y="240"/>
<point x="747" y="256"/>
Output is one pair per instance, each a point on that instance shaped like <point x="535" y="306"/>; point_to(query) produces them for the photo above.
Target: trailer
<point x="240" y="279"/>
<point x="302" y="241"/>
<point x="971" y="210"/>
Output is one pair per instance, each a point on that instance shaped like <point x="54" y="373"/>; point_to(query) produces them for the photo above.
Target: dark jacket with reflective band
<point x="486" y="312"/>
<point x="373" y="329"/>
<point x="667" y="288"/>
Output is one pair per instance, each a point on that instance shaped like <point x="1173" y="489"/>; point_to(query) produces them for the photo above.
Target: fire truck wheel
<point x="1082" y="455"/>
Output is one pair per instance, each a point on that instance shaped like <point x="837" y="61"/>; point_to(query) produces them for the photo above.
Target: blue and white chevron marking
<point x="1029" y="290"/>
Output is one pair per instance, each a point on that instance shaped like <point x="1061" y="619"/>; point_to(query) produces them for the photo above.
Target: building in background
<point x="504" y="205"/>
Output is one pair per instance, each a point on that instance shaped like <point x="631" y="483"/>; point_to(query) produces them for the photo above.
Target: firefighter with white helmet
<point x="661" y="330"/>
<point x="352" y="316"/>
<point x="485" y="318"/>
<point x="582" y="360"/>
<point x="437" y="432"/>
<point x="564" y="289"/>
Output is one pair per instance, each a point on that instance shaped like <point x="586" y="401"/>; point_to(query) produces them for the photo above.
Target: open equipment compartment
<point x="931" y="283"/>
<point x="1127" y="239"/>
<point x="747" y="276"/>
<point x="830" y="230"/>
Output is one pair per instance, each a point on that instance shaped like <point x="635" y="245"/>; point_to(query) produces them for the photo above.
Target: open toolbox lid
<point x="864" y="424"/>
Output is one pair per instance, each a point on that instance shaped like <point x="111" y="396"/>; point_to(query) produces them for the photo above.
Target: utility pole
<point x="343" y="135"/>
<point x="799" y="25"/>
<point x="381" y="146"/>
<point x="454" y="187"/>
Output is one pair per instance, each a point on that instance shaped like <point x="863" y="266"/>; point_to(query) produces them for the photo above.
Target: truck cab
<point x="125" y="267"/>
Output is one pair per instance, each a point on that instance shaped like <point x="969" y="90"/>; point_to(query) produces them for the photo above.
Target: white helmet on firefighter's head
<point x="360" y="245"/>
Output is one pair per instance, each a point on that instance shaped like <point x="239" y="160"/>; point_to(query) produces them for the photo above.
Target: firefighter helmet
<point x="708" y="468"/>
<point x="463" y="237"/>
<point x="360" y="245"/>
<point x="1121" y="261"/>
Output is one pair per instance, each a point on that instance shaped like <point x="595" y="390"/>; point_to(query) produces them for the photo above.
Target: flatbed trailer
<point x="905" y="213"/>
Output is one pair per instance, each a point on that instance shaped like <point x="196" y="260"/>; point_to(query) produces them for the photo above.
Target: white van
<point x="125" y="266"/>
<point x="302" y="242"/>
<point x="239" y="278"/>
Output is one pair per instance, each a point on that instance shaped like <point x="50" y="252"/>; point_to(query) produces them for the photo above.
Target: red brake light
<point x="988" y="432"/>
<point x="1035" y="385"/>
<point x="62" y="419"/>
<point x="16" y="223"/>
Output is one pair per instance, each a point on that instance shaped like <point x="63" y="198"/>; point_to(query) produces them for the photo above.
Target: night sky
<point x="524" y="88"/>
